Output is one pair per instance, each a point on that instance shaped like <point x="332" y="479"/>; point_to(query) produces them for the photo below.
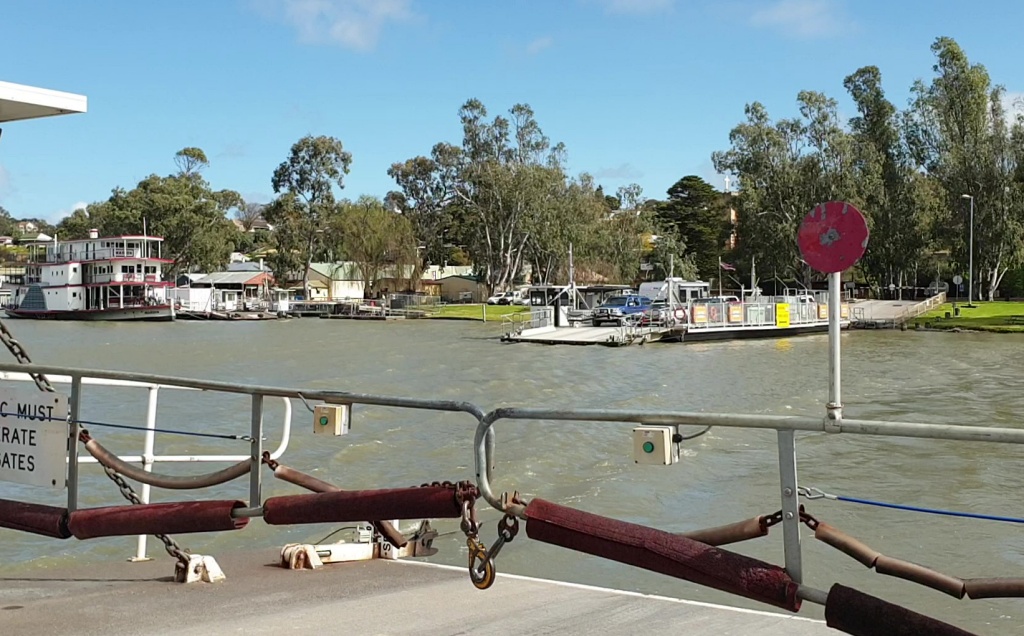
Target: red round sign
<point x="833" y="237"/>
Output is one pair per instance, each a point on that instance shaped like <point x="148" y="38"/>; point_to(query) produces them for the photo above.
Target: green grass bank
<point x="493" y="313"/>
<point x="996" y="317"/>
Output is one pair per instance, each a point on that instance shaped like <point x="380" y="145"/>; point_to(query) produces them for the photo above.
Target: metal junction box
<point x="332" y="419"/>
<point x="653" y="445"/>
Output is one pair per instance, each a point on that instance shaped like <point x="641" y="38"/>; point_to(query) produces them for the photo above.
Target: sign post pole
<point x="834" y="408"/>
<point x="832" y="238"/>
<point x="73" y="430"/>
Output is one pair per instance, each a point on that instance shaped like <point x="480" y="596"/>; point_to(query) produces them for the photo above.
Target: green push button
<point x="323" y="420"/>
<point x="648" y="447"/>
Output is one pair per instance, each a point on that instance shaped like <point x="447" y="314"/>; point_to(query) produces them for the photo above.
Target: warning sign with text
<point x="33" y="437"/>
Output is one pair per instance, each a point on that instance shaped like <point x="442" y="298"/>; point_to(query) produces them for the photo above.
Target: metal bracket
<point x="199" y="569"/>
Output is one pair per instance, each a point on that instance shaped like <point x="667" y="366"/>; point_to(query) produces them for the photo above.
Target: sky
<point x="640" y="91"/>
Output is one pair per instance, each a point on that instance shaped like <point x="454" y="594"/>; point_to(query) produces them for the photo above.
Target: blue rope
<point x="129" y="427"/>
<point x="931" y="511"/>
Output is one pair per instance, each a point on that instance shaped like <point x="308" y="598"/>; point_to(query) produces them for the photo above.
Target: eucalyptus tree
<point x="784" y="168"/>
<point x="895" y="200"/>
<point x="182" y="208"/>
<point x="315" y="167"/>
<point x="426" y="196"/>
<point x="960" y="136"/>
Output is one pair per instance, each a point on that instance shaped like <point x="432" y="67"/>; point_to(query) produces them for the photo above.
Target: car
<point x="504" y="298"/>
<point x="620" y="310"/>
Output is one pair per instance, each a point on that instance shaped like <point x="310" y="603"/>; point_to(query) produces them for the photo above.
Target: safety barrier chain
<point x="481" y="557"/>
<point x="44" y="384"/>
<point x="21" y="356"/>
<point x="693" y="556"/>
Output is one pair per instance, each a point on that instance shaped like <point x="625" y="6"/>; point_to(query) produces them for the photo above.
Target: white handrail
<point x="148" y="457"/>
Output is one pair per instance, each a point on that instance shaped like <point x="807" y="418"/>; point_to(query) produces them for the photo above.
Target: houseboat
<point x="108" y="278"/>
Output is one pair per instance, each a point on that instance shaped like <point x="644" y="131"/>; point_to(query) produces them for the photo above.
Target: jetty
<point x="891" y="314"/>
<point x="226" y="315"/>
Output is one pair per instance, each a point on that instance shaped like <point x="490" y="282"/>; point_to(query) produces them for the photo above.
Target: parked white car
<point x="507" y="298"/>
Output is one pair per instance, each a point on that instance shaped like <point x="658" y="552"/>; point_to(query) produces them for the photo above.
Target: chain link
<point x="22" y="357"/>
<point x="128" y="492"/>
<point x="19" y="353"/>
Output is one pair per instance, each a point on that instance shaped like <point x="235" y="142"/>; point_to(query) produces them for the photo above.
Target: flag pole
<point x="719" y="276"/>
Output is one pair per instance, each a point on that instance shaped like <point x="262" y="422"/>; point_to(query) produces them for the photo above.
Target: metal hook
<point x="811" y="493"/>
<point x="481" y="576"/>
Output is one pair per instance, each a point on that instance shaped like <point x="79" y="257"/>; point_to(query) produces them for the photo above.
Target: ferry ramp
<point x="875" y="314"/>
<point x="365" y="597"/>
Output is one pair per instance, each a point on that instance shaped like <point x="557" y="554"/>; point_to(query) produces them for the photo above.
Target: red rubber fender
<point x="180" y="517"/>
<point x="859" y="614"/>
<point x="48" y="521"/>
<point x="661" y="552"/>
<point x="309" y="482"/>
<point x="428" y="502"/>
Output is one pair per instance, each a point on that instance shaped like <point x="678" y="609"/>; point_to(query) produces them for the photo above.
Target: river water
<point x="725" y="476"/>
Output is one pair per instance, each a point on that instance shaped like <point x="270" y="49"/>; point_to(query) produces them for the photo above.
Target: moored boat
<point x="95" y="279"/>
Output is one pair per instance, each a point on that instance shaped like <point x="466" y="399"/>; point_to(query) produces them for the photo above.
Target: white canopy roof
<point x="18" y="101"/>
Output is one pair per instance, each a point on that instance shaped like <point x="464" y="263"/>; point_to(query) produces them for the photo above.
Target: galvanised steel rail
<point x="484" y="438"/>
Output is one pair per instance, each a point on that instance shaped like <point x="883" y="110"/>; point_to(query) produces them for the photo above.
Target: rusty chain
<point x="481" y="560"/>
<point x="44" y="384"/>
<point x="170" y="545"/>
<point x="21" y="356"/>
<point x="774" y="519"/>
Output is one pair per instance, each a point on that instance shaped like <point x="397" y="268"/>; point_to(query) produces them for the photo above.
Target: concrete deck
<point x="374" y="597"/>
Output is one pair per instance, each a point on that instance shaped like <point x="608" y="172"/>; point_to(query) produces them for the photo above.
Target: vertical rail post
<point x="256" y="456"/>
<point x="790" y="505"/>
<point x="834" y="408"/>
<point x="73" y="430"/>
<point x="148" y="446"/>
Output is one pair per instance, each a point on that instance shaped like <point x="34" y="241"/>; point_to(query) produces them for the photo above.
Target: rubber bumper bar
<point x="662" y="552"/>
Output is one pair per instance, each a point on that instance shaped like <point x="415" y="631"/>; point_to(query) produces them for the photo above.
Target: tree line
<point x="501" y="200"/>
<point x="914" y="172"/>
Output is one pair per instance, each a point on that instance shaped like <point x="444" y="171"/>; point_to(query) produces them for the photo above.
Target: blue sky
<point x="639" y="90"/>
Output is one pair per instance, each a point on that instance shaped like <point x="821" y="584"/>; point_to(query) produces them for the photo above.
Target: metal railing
<point x="148" y="458"/>
<point x="484" y="445"/>
<point x="535" y="318"/>
<point x="760" y="313"/>
<point x="923" y="307"/>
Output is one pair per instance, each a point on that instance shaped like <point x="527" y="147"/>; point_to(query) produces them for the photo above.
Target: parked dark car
<point x="621" y="310"/>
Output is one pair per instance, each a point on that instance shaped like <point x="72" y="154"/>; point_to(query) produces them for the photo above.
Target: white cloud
<point x="635" y="6"/>
<point x="55" y="217"/>
<point x="538" y="45"/>
<point x="234" y="150"/>
<point x="802" y="18"/>
<point x="257" y="197"/>
<point x="353" y="24"/>
<point x="623" y="171"/>
<point x="1013" y="104"/>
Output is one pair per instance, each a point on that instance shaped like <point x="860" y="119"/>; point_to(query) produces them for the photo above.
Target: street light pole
<point x="970" y="249"/>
